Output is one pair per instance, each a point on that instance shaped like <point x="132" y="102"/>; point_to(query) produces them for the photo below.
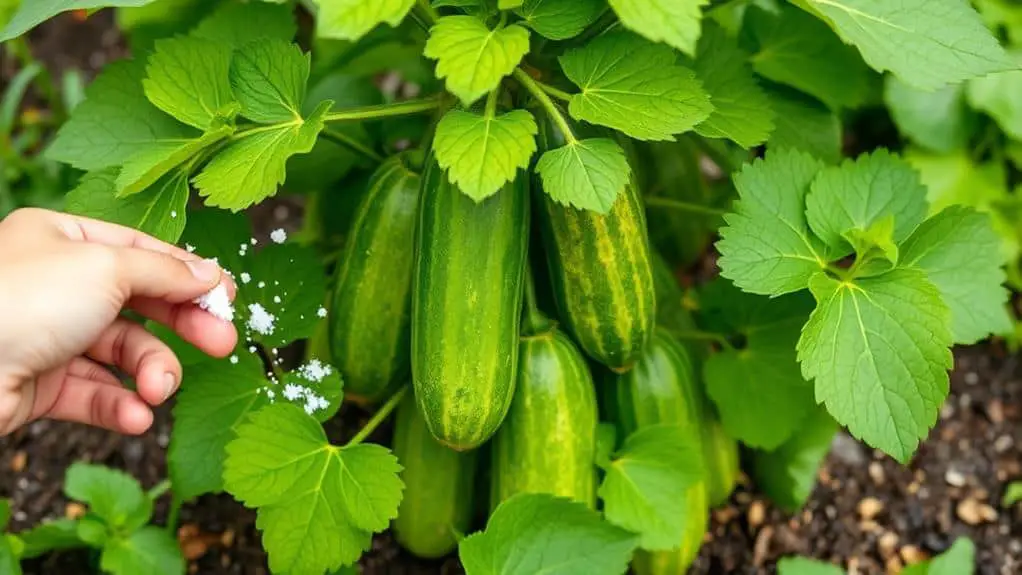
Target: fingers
<point x="96" y="403"/>
<point x="88" y="369"/>
<point x="213" y="336"/>
<point x="96" y="231"/>
<point x="132" y="349"/>
<point x="144" y="273"/>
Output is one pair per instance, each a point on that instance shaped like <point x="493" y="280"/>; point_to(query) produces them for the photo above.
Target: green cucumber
<point x="437" y="501"/>
<point x="466" y="306"/>
<point x="548" y="440"/>
<point x="600" y="272"/>
<point x="370" y="317"/>
<point x="720" y="458"/>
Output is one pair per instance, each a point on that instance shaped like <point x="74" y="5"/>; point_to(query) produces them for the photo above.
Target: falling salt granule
<point x="190" y="248"/>
<point x="278" y="235"/>
<point x="315" y="370"/>
<point x="251" y="349"/>
<point x="271" y="394"/>
<point x="254" y="241"/>
<point x="234" y="359"/>
<point x="173" y="213"/>
<point x="293" y="392"/>
<point x="218" y="303"/>
<point x="261" y="321"/>
<point x="245" y="278"/>
<point x="276" y="299"/>
<point x="321" y="312"/>
<point x="262" y="285"/>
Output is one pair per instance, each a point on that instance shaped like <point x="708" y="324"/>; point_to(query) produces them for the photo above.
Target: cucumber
<point x="600" y="272"/>
<point x="466" y="305"/>
<point x="720" y="458"/>
<point x="370" y="316"/>
<point x="548" y="440"/>
<point x="437" y="501"/>
<point x="660" y="389"/>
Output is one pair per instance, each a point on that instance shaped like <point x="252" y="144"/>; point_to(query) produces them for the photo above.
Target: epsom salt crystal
<point x="278" y="235"/>
<point x="314" y="403"/>
<point x="315" y="370"/>
<point x="293" y="392"/>
<point x="261" y="321"/>
<point x="321" y="312"/>
<point x="234" y="359"/>
<point x="245" y="278"/>
<point x="190" y="248"/>
<point x="217" y="303"/>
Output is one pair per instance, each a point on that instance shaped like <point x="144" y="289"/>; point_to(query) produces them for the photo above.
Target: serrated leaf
<point x="874" y="247"/>
<point x="587" y="174"/>
<point x="188" y="78"/>
<point x="269" y="79"/>
<point x="32" y="12"/>
<point x="997" y="95"/>
<point x="114" y="496"/>
<point x="802" y="123"/>
<point x="158" y="211"/>
<point x="799" y="50"/>
<point x="959" y="559"/>
<point x="788" y="474"/>
<point x="858" y="193"/>
<point x="888" y="378"/>
<point x="151" y="550"/>
<point x="741" y="110"/>
<point x="938" y="120"/>
<point x="927" y="43"/>
<point x="766" y="247"/>
<point x="806" y="566"/>
<point x="536" y="533"/>
<point x="472" y="58"/>
<point x="352" y="19"/>
<point x="960" y="253"/>
<point x="641" y="486"/>
<point x="309" y="535"/>
<point x="238" y="24"/>
<point x="154" y="160"/>
<point x="560" y="19"/>
<point x="634" y="86"/>
<point x="482" y="153"/>
<point x="675" y="22"/>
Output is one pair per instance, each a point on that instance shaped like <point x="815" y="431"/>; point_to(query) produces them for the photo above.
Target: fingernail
<point x="169" y="385"/>
<point x="204" y="270"/>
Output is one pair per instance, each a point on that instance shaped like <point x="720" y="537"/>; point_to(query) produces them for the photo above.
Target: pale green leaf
<point x="188" y="78"/>
<point x="998" y="96"/>
<point x="310" y="534"/>
<point x="634" y="86"/>
<point x="560" y="19"/>
<point x="1012" y="494"/>
<point x="675" y="22"/>
<point x="269" y="80"/>
<point x="766" y="247"/>
<point x="50" y="536"/>
<point x="803" y="123"/>
<point x="806" y="566"/>
<point x="874" y="247"/>
<point x="483" y="152"/>
<point x="154" y="160"/>
<point x="158" y="211"/>
<point x="587" y="174"/>
<point x="877" y="349"/>
<point x="114" y="496"/>
<point x="508" y="4"/>
<point x="938" y="120"/>
<point x="959" y="559"/>
<point x="787" y="475"/>
<point x="32" y="12"/>
<point x="352" y="19"/>
<point x="472" y="58"/>
<point x="9" y="559"/>
<point x="151" y="550"/>
<point x="238" y="24"/>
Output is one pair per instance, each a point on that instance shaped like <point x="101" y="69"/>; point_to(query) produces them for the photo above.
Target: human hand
<point x="64" y="281"/>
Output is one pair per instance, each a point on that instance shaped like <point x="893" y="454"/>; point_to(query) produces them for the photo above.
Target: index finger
<point x="79" y="228"/>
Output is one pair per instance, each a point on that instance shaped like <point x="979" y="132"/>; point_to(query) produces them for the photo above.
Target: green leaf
<point x="959" y="559"/>
<point x="114" y="496"/>
<point x="158" y="211"/>
<point x="481" y="153"/>
<point x="9" y="560"/>
<point x="472" y="58"/>
<point x="113" y="121"/>
<point x="536" y="533"/>
<point x="188" y="78"/>
<point x="874" y="247"/>
<point x="634" y="86"/>
<point x="767" y="247"/>
<point x="249" y="169"/>
<point x="960" y="253"/>
<point x="858" y="193"/>
<point x="997" y="95"/>
<point x="587" y="174"/>
<point x="799" y="50"/>
<point x="806" y="566"/>
<point x="675" y="22"/>
<point x="927" y="43"/>
<point x="508" y="4"/>
<point x="758" y="389"/>
<point x="150" y="550"/>
<point x="352" y="19"/>
<point x="606" y="443"/>
<point x="32" y="12"/>
<point x="1012" y="494"/>
<point x="318" y="502"/>
<point x="5" y="513"/>
<point x="641" y="486"/>
<point x="802" y="123"/>
<point x="269" y="79"/>
<point x="888" y="378"/>
<point x="154" y="160"/>
<point x="788" y="474"/>
<point x="741" y="110"/>
<point x="239" y="24"/>
<point x="50" y="536"/>
<point x="560" y="19"/>
<point x="938" y="120"/>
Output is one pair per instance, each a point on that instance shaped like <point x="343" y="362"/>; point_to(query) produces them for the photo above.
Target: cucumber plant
<point x="442" y="149"/>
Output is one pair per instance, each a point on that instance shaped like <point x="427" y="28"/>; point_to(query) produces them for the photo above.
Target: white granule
<point x="276" y="299"/>
<point x="234" y="359"/>
<point x="254" y="241"/>
<point x="190" y="248"/>
<point x="293" y="391"/>
<point x="245" y="278"/>
<point x="173" y="213"/>
<point x="315" y="370"/>
<point x="217" y="303"/>
<point x="261" y="321"/>
<point x="262" y="285"/>
<point x="278" y="235"/>
<point x="271" y="394"/>
<point x="251" y="349"/>
<point x="314" y="403"/>
<point x="321" y="312"/>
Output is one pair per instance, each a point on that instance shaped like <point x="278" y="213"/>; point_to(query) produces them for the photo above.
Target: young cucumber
<point x="600" y="272"/>
<point x="437" y="501"/>
<point x="369" y="318"/>
<point x="466" y="305"/>
<point x="547" y="441"/>
<point x="661" y="389"/>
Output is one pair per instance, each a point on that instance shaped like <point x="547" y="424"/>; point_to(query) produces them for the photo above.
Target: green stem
<point x="378" y="417"/>
<point x="696" y="335"/>
<point x="174" y="513"/>
<point x="684" y="206"/>
<point x="555" y="92"/>
<point x="429" y="11"/>
<point x="533" y="320"/>
<point x="551" y="109"/>
<point x="491" y="103"/>
<point x="352" y="144"/>
<point x="159" y="489"/>
<point x="404" y="108"/>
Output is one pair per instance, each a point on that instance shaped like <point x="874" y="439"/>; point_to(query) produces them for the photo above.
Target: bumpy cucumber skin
<point x="548" y="440"/>
<point x="466" y="306"/>
<point x="370" y="315"/>
<point x="439" y="482"/>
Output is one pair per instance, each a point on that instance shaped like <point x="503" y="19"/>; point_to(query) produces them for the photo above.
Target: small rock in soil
<point x="974" y="512"/>
<point x="870" y="507"/>
<point x="74" y="510"/>
<point x="756" y="515"/>
<point x="887" y="544"/>
<point x="911" y="554"/>
<point x="876" y="473"/>
<point x="847" y="450"/>
<point x="954" y="478"/>
<point x="19" y="461"/>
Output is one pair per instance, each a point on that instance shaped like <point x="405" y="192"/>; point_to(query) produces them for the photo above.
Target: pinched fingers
<point x="139" y="353"/>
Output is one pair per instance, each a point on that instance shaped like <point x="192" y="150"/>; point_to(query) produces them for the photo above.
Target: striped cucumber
<point x="720" y="458"/>
<point x="437" y="501"/>
<point x="370" y="314"/>
<point x="466" y="305"/>
<point x="600" y="272"/>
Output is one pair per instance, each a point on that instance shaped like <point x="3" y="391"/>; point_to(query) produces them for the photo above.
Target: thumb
<point x="161" y="276"/>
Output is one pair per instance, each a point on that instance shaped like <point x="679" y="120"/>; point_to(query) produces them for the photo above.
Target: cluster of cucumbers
<point x="443" y="290"/>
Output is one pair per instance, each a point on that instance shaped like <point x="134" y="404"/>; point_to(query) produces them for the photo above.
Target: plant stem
<point x="696" y="335"/>
<point x="159" y="489"/>
<point x="174" y="513"/>
<point x="352" y="144"/>
<point x="551" y="109"/>
<point x="386" y="110"/>
<point x="429" y="11"/>
<point x="533" y="320"/>
<point x="378" y="417"/>
<point x="555" y="92"/>
<point x="684" y="206"/>
<point x="491" y="103"/>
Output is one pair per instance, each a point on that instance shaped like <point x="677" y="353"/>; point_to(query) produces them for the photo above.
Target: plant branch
<point x="427" y="12"/>
<point x="684" y="206"/>
<point x="174" y="513"/>
<point x="544" y="100"/>
<point x="352" y="144"/>
<point x="404" y="108"/>
<point x="491" y="103"/>
<point x="696" y="335"/>
<point x="533" y="320"/>
<point x="158" y="490"/>
<point x="555" y="92"/>
<point x="378" y="417"/>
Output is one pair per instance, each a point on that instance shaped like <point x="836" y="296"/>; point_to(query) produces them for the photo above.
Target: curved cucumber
<point x="466" y="306"/>
<point x="437" y="501"/>
<point x="370" y="316"/>
<point x="720" y="456"/>
<point x="548" y="440"/>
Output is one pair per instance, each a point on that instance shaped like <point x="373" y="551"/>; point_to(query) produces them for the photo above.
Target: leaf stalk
<point x="405" y="108"/>
<point x="378" y="417"/>
<point x="548" y="105"/>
